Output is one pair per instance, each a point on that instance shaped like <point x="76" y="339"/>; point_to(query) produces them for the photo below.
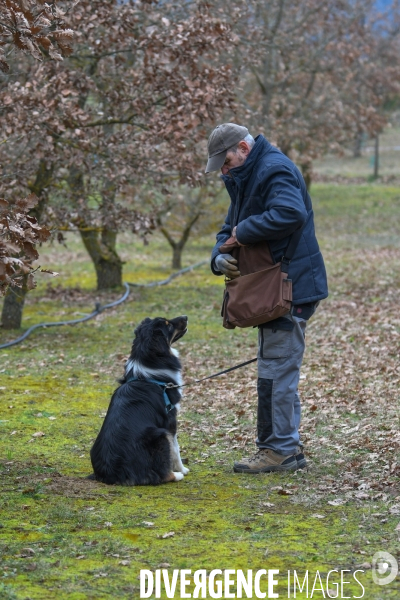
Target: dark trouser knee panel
<point x="264" y="412"/>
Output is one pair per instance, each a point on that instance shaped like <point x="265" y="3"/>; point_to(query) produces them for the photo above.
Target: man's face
<point x="235" y="159"/>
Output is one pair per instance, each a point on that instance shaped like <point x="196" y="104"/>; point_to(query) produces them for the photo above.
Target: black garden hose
<point x="99" y="308"/>
<point x="171" y="277"/>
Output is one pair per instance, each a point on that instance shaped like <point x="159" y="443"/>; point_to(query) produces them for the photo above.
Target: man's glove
<point x="227" y="265"/>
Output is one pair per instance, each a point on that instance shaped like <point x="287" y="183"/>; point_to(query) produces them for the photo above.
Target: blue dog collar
<point x="168" y="405"/>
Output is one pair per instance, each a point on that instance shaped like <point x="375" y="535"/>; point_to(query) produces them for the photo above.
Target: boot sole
<point x="292" y="467"/>
<point x="301" y="463"/>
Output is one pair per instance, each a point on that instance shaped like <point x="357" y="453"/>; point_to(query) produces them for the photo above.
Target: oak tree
<point x="129" y="106"/>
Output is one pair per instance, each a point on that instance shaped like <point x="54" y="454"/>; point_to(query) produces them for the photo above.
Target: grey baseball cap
<point x="222" y="138"/>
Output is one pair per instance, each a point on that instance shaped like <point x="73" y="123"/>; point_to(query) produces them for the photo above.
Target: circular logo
<point x="384" y="568"/>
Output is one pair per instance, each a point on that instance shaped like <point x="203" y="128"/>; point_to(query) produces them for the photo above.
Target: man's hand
<point x="234" y="235"/>
<point x="227" y="265"/>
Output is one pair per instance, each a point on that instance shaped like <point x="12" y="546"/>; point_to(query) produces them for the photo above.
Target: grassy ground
<point x="333" y="167"/>
<point x="63" y="536"/>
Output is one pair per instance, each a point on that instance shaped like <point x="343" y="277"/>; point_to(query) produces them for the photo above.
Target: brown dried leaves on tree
<point x="317" y="74"/>
<point x="37" y="29"/>
<point x="19" y="234"/>
<point x="130" y="106"/>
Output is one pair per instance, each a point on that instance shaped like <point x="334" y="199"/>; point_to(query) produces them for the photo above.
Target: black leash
<point x="173" y="385"/>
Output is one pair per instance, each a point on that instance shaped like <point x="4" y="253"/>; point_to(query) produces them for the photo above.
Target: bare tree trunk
<point x="177" y="257"/>
<point x="106" y="261"/>
<point x="357" y="151"/>
<point x="376" y="158"/>
<point x="13" y="306"/>
<point x="39" y="187"/>
<point x="100" y="244"/>
<point x="177" y="247"/>
<point x="306" y="170"/>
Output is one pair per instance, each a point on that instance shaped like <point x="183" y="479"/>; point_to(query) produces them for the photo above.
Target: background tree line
<point x="106" y="107"/>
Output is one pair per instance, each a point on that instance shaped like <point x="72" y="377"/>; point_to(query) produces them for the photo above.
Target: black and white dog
<point x="137" y="444"/>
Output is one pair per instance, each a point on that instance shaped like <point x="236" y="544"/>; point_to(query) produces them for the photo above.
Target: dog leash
<point x="173" y="385"/>
<point x="168" y="386"/>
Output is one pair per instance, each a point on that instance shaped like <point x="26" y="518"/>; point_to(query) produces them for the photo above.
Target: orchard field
<point x="65" y="537"/>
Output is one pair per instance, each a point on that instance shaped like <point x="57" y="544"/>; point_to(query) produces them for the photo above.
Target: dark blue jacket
<point x="269" y="201"/>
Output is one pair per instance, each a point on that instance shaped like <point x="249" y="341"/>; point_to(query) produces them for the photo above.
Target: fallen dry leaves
<point x="349" y="387"/>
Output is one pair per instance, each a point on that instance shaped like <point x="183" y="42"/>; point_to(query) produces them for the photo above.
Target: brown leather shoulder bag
<point x="263" y="291"/>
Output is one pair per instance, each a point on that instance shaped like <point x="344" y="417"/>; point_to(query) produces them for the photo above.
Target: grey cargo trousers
<point x="280" y="355"/>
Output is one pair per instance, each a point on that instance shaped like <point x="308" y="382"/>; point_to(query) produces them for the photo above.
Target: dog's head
<point x="157" y="335"/>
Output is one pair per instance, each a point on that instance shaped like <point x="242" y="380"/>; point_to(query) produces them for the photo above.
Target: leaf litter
<point x="350" y="423"/>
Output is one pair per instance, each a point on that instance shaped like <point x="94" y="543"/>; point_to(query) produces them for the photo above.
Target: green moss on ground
<point x="63" y="536"/>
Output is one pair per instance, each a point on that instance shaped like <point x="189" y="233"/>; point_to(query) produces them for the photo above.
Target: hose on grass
<point x="98" y="307"/>
<point x="171" y="277"/>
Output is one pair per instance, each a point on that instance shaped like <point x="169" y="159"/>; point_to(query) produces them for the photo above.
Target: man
<point x="269" y="201"/>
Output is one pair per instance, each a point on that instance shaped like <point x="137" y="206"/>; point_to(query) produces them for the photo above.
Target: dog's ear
<point x="152" y="336"/>
<point x="143" y="335"/>
<point x="160" y="341"/>
<point x="142" y="326"/>
<point x="160" y="337"/>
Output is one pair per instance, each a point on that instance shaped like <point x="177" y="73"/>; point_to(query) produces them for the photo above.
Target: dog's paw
<point x="185" y="470"/>
<point x="178" y="476"/>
